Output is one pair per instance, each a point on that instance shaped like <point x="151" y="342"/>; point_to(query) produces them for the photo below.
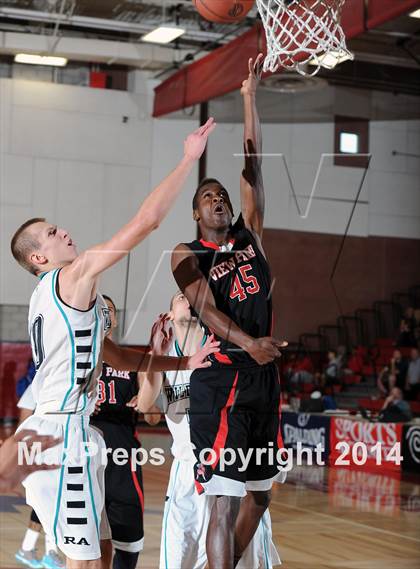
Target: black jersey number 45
<point x="239" y="289"/>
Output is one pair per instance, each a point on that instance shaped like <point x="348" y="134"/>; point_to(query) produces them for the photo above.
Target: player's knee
<point x="124" y="559"/>
<point x="227" y="508"/>
<point x="262" y="499"/>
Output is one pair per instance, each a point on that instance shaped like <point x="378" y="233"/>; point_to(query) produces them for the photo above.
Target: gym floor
<point x="323" y="518"/>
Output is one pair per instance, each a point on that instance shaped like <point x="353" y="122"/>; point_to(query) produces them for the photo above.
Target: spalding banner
<point x="411" y="448"/>
<point x="309" y="430"/>
<point x="366" y="445"/>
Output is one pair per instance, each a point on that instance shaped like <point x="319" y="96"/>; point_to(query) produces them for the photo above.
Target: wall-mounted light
<point x="349" y="143"/>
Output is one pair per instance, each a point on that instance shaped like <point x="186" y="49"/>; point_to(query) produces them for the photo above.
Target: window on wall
<point x="351" y="142"/>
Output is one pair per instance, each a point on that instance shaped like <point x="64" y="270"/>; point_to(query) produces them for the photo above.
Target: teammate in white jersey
<point x="67" y="322"/>
<point x="187" y="514"/>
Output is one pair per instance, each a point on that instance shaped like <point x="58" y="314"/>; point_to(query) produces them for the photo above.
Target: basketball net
<point x="303" y="31"/>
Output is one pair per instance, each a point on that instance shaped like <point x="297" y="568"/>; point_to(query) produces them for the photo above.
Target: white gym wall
<point x="67" y="154"/>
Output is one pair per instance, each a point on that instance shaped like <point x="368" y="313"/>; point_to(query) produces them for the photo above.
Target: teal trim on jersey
<point x="166" y="517"/>
<point x="178" y="350"/>
<point x="60" y="484"/>
<point x="267" y="562"/>
<point x="94" y="362"/>
<point x="42" y="275"/>
<point x="95" y="515"/>
<point x="73" y="350"/>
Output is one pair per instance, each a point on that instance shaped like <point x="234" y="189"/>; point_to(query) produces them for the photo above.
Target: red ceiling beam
<point x="224" y="69"/>
<point x="381" y="11"/>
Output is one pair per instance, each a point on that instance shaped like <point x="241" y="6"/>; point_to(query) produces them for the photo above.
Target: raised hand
<point x="161" y="336"/>
<point x="265" y="350"/>
<point x="199" y="359"/>
<point x="249" y="86"/>
<point x="195" y="142"/>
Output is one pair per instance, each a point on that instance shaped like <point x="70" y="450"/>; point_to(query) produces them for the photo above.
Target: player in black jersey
<point x="234" y="404"/>
<point x="124" y="501"/>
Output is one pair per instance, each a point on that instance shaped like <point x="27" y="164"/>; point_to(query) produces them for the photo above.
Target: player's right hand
<point x="195" y="142"/>
<point x="11" y="472"/>
<point x="199" y="359"/>
<point x="265" y="350"/>
<point x="161" y="336"/>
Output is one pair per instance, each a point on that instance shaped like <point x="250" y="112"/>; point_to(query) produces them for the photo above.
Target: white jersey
<point x="176" y="404"/>
<point x="27" y="400"/>
<point x="66" y="348"/>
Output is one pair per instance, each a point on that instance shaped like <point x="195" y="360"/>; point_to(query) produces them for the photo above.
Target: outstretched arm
<point x="89" y="264"/>
<point x="252" y="188"/>
<point x="131" y="359"/>
<point x="193" y="284"/>
<point x="161" y="339"/>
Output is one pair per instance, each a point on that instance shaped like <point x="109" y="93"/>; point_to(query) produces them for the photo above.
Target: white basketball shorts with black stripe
<point x="69" y="500"/>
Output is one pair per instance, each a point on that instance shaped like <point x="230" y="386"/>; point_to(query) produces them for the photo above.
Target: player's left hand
<point x="249" y="86"/>
<point x="199" y="359"/>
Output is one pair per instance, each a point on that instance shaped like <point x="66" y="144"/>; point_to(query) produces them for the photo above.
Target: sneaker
<point x="29" y="559"/>
<point x="52" y="560"/>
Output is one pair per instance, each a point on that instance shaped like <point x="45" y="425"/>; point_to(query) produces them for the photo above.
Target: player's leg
<point x="27" y="552"/>
<point x="220" y="541"/>
<point x="219" y="426"/>
<point x="185" y="520"/>
<point x="106" y="553"/>
<point x="263" y="388"/>
<point x="83" y="563"/>
<point x="124" y="507"/>
<point x="261" y="553"/>
<point x="52" y="558"/>
<point x="252" y="509"/>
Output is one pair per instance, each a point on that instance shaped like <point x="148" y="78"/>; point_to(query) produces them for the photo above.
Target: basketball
<point x="223" y="11"/>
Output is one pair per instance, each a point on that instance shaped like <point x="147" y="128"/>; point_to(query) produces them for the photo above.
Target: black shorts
<point x="236" y="414"/>
<point x="124" y="497"/>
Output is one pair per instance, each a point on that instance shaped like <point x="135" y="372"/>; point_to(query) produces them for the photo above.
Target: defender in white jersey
<point x="67" y="322"/>
<point x="187" y="514"/>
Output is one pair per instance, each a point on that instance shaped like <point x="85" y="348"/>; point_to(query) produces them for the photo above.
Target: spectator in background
<point x="410" y="318"/>
<point x="318" y="402"/>
<point x="405" y="338"/>
<point x="299" y="371"/>
<point x="412" y="384"/>
<point x="395" y="409"/>
<point x="355" y="363"/>
<point x="393" y="375"/>
<point x="24" y="382"/>
<point x="332" y="370"/>
<point x="342" y="356"/>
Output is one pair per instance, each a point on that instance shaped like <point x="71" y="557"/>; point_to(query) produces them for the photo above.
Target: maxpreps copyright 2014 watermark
<point x="357" y="454"/>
